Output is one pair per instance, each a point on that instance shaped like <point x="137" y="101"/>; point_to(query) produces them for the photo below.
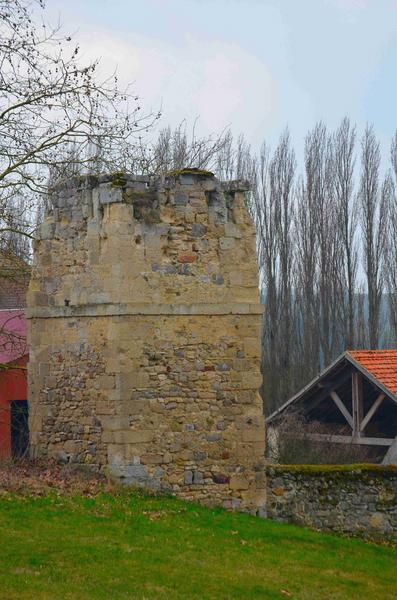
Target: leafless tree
<point x="273" y="213"/>
<point x="343" y="180"/>
<point x="361" y="317"/>
<point x="373" y="215"/>
<point x="51" y="101"/>
<point x="178" y="147"/>
<point x="309" y="247"/>
<point x="264" y="213"/>
<point x="390" y="264"/>
<point x="282" y="173"/>
<point x="310" y="196"/>
<point x="319" y="178"/>
<point x="12" y="243"/>
<point x="306" y="275"/>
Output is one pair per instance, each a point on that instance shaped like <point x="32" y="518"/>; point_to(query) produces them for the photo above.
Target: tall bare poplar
<point x="390" y="264"/>
<point x="313" y="238"/>
<point x="373" y="216"/>
<point x="306" y="277"/>
<point x="343" y="180"/>
<point x="263" y="210"/>
<point x="282" y="172"/>
<point x="319" y="174"/>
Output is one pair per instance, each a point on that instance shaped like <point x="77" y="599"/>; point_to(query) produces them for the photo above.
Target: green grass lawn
<point x="132" y="546"/>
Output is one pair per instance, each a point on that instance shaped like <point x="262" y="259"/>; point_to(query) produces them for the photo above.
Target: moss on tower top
<point x="190" y="171"/>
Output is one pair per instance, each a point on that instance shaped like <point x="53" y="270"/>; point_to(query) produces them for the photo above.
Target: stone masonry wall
<point x="144" y="329"/>
<point x="355" y="500"/>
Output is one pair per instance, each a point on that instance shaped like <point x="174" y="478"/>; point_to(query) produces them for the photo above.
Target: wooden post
<point x="357" y="403"/>
<point x="390" y="457"/>
<point x="371" y="411"/>
<point x="342" y="408"/>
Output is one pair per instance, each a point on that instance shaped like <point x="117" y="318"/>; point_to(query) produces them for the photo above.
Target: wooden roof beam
<point x="346" y="439"/>
<point x="357" y="402"/>
<point x="342" y="407"/>
<point x="326" y="388"/>
<point x="390" y="457"/>
<point x="371" y="411"/>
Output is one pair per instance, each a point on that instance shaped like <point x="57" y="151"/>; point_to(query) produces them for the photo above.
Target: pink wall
<point x="12" y="335"/>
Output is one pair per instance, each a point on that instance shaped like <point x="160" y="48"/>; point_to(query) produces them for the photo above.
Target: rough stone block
<point x="226" y="243"/>
<point x="114" y="423"/>
<point x="152" y="459"/>
<point x="109" y="194"/>
<point x="198" y="230"/>
<point x="133" y="436"/>
<point x="238" y="482"/>
<point x="188" y="477"/>
<point x="232" y="230"/>
<point x="181" y="199"/>
<point x="252" y="434"/>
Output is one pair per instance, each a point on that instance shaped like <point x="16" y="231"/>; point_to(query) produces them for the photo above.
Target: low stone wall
<point x="352" y="499"/>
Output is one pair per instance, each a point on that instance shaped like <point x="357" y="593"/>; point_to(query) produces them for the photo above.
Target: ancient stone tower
<point x="144" y="323"/>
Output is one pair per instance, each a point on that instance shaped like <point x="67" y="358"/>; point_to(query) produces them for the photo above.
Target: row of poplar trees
<point x="327" y="251"/>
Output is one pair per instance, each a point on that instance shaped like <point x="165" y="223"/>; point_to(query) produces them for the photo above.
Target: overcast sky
<point x="257" y="65"/>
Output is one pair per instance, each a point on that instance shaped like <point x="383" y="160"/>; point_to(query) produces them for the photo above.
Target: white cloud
<point x="217" y="81"/>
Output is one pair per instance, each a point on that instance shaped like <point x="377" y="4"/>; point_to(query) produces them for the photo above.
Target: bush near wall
<point x="358" y="500"/>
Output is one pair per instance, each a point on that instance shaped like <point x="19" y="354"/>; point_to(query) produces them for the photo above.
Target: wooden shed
<point x="354" y="400"/>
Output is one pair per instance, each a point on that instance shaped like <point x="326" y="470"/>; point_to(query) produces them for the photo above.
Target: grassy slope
<point x="131" y="546"/>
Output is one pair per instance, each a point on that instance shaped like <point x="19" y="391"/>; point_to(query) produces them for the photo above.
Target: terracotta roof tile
<point x="381" y="364"/>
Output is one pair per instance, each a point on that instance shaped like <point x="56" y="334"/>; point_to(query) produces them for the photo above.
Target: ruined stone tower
<point x="144" y="322"/>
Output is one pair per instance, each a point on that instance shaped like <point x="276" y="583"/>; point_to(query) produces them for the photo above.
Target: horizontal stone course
<point x="144" y="309"/>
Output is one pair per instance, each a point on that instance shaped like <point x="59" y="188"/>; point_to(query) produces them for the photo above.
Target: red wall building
<point x="13" y="383"/>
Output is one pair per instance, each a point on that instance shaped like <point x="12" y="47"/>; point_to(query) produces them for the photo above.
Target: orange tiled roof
<point x="381" y="364"/>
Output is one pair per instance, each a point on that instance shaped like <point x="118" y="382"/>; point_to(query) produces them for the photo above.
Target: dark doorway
<point x="19" y="428"/>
